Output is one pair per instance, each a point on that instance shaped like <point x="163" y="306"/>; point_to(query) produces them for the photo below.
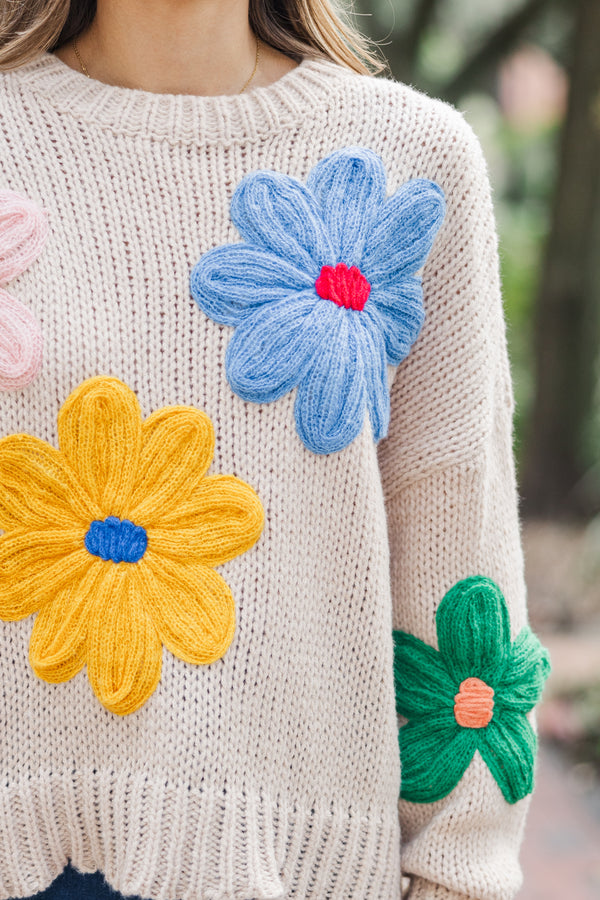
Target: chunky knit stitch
<point x="272" y="772"/>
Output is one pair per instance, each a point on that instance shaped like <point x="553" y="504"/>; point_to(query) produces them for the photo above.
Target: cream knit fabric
<point x="273" y="772"/>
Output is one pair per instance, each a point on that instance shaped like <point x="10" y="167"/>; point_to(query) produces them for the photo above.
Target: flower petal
<point x="178" y="447"/>
<point x="100" y="435"/>
<point x="58" y="637"/>
<point x="123" y="649"/>
<point x="398" y="312"/>
<point x="21" y="344"/>
<point x="331" y="398"/>
<point x="372" y="347"/>
<point x="231" y="282"/>
<point x="349" y="185"/>
<point x="270" y="352"/>
<point x="24" y="230"/>
<point x="37" y="489"/>
<point x="34" y="566"/>
<point x="421" y="679"/>
<point x="434" y="754"/>
<point x="220" y="519"/>
<point x="404" y="232"/>
<point x="509" y="750"/>
<point x="192" y="608"/>
<point x="473" y="628"/>
<point x="526" y="672"/>
<point x="278" y="213"/>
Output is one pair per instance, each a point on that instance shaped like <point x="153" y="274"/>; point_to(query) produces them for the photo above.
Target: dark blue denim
<point x="71" y="885"/>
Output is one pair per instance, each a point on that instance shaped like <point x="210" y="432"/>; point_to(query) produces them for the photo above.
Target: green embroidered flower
<point x="471" y="694"/>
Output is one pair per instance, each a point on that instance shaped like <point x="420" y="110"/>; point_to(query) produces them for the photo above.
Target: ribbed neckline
<point x="184" y="117"/>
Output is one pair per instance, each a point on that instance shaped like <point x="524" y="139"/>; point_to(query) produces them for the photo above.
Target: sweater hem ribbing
<point x="175" y="842"/>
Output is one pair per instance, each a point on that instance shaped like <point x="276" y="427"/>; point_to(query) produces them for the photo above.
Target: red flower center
<point x="474" y="703"/>
<point x="347" y="287"/>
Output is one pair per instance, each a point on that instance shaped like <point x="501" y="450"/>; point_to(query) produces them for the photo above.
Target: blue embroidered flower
<point x="323" y="291"/>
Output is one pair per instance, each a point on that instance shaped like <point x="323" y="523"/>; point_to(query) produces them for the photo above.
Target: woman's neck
<point x="203" y="47"/>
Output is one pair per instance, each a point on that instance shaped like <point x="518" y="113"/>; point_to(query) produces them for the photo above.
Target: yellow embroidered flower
<point x="112" y="540"/>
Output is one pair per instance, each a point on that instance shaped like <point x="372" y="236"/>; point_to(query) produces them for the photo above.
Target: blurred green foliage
<point x="522" y="182"/>
<point x="522" y="162"/>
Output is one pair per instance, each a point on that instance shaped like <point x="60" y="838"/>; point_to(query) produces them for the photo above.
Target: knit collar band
<point x="183" y="117"/>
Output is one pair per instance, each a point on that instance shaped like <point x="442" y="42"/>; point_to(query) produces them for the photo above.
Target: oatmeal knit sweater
<point x="206" y="706"/>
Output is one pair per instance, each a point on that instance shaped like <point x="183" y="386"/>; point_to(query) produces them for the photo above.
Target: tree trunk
<point x="567" y="335"/>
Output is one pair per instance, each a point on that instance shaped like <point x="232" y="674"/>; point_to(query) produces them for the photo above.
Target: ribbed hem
<point x="175" y="842"/>
<point x="184" y="117"/>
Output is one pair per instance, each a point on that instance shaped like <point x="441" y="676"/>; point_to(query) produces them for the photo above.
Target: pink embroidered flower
<point x="23" y="233"/>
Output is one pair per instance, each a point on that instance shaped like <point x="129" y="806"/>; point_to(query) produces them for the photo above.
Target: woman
<point x="262" y="607"/>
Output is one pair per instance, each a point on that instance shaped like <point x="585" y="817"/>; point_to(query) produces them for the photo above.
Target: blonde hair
<point x="295" y="27"/>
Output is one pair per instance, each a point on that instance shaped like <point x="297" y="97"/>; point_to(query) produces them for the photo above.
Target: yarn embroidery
<point x="113" y="540"/>
<point x="470" y="695"/>
<point x="23" y="233"/>
<point x="121" y="541"/>
<point x="347" y="287"/>
<point x="323" y="290"/>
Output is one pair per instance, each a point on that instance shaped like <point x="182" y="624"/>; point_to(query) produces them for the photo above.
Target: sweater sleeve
<point x="451" y="496"/>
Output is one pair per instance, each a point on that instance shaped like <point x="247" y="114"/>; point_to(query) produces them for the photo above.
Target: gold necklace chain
<point x="255" y="65"/>
<point x="256" y="61"/>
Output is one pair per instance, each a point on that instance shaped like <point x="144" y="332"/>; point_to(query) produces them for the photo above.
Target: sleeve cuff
<point x="420" y="889"/>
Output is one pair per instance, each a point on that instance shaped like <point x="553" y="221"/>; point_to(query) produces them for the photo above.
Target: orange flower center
<point x="474" y="703"/>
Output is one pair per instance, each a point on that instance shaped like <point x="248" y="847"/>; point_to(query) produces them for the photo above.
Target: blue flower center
<point x="116" y="539"/>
